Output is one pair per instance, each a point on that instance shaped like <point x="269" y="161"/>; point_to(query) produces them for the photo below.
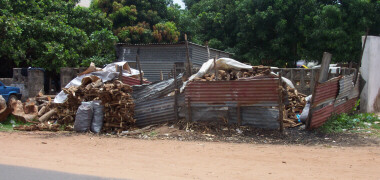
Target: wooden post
<point x="161" y="76"/>
<point x="309" y="117"/>
<point x="208" y="51"/>
<point x="189" y="109"/>
<point x="238" y="109"/>
<point x="325" y="66"/>
<point x="280" y="104"/>
<point x="216" y="71"/>
<point x="175" y="94"/>
<point x="138" y="63"/>
<point x="188" y="57"/>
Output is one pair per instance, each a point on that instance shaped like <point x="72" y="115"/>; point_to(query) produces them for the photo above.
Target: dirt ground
<point x="172" y="159"/>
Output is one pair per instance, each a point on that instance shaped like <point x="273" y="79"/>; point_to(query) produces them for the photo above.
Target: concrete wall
<point x="35" y="82"/>
<point x="30" y="83"/>
<point x="21" y="82"/>
<point x="370" y="95"/>
<point x="6" y="81"/>
<point x="69" y="73"/>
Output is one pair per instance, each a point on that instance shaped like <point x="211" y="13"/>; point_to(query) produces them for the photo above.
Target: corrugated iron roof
<point x="166" y="44"/>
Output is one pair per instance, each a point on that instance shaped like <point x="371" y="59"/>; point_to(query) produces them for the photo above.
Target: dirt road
<point x="169" y="159"/>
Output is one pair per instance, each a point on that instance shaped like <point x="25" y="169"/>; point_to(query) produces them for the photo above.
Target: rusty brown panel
<point x="320" y="116"/>
<point x="326" y="91"/>
<point x="241" y="91"/>
<point x="132" y="81"/>
<point x="345" y="107"/>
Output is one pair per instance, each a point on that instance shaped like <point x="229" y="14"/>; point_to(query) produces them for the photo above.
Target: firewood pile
<point x="296" y="104"/>
<point x="230" y="75"/>
<point x="114" y="95"/>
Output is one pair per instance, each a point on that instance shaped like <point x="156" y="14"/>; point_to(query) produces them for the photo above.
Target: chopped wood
<point x="47" y="116"/>
<point x="230" y="75"/>
<point x="42" y="111"/>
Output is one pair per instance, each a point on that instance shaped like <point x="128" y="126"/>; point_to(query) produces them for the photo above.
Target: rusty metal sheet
<point x="155" y="111"/>
<point x="260" y="117"/>
<point x="319" y="117"/>
<point x="242" y="91"/>
<point x="218" y="101"/>
<point x="345" y="107"/>
<point x="132" y="81"/>
<point x="326" y="92"/>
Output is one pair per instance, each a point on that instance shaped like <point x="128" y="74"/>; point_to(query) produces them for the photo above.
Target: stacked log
<point x="231" y="75"/>
<point x="296" y="104"/>
<point x="115" y="97"/>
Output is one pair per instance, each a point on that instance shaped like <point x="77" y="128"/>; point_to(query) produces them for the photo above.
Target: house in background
<point x="155" y="58"/>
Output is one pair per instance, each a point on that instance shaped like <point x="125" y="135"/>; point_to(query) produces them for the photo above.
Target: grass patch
<point x="360" y="123"/>
<point x="8" y="124"/>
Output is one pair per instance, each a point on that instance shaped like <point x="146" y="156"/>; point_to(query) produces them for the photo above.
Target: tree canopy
<point x="53" y="34"/>
<point x="57" y="33"/>
<point x="277" y="31"/>
<point x="136" y="21"/>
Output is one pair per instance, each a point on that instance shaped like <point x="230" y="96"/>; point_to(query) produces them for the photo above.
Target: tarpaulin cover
<point x="224" y="64"/>
<point x="108" y="73"/>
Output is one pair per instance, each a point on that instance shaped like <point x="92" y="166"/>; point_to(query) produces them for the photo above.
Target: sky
<point x="86" y="3"/>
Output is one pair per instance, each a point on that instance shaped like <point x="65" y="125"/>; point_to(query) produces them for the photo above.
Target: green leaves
<point x="154" y="19"/>
<point x="165" y="32"/>
<point x="285" y="31"/>
<point x="53" y="34"/>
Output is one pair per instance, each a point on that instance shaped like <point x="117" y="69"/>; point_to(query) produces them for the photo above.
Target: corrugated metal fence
<point x="153" y="106"/>
<point x="246" y="102"/>
<point x="338" y="95"/>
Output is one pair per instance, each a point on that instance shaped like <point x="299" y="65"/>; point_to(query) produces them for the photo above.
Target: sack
<point x="97" y="120"/>
<point x="83" y="117"/>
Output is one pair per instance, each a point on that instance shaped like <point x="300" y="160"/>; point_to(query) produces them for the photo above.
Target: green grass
<point x="8" y="124"/>
<point x="361" y="123"/>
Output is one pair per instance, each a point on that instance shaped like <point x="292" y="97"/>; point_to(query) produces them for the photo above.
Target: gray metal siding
<point x="157" y="58"/>
<point x="155" y="111"/>
<point x="199" y="54"/>
<point x="169" y="53"/>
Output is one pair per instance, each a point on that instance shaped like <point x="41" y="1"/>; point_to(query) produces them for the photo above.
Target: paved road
<point x="20" y="173"/>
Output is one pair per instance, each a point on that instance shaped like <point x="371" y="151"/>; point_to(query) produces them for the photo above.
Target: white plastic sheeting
<point x="221" y="64"/>
<point x="108" y="73"/>
<point x="225" y="64"/>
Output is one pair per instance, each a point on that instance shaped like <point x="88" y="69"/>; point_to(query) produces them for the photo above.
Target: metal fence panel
<point x="155" y="111"/>
<point x="219" y="101"/>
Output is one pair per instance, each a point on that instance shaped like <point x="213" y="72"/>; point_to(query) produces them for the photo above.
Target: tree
<point x="51" y="34"/>
<point x="276" y="32"/>
<point x="137" y="21"/>
<point x="165" y="32"/>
